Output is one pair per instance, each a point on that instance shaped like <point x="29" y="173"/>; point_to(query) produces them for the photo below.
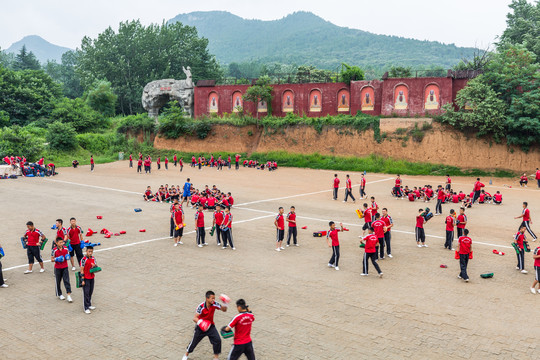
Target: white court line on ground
<point x="143" y="241"/>
<point x="393" y="229"/>
<point x="305" y="194"/>
<point x="247" y="203"/>
<point x="94" y="186"/>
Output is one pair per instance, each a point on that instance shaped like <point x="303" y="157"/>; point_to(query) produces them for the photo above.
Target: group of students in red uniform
<point x="269" y="165"/>
<point x="292" y="229"/>
<point x="446" y="194"/>
<point x="219" y="163"/>
<point x="348" y="188"/>
<point x="67" y="245"/>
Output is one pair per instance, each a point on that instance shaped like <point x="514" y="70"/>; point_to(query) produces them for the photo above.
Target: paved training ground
<point x="148" y="290"/>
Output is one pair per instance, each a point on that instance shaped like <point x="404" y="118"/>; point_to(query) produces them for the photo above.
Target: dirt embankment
<point x="440" y="145"/>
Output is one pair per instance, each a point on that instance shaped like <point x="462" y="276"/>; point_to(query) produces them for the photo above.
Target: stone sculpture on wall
<point x="158" y="93"/>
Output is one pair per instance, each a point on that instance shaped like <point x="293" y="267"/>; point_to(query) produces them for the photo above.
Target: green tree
<point x="523" y="120"/>
<point x="309" y="73"/>
<point x="350" y="73"/>
<point x="101" y="98"/>
<point x="26" y="60"/>
<point x="6" y="59"/>
<point x="400" y="72"/>
<point x="16" y="140"/>
<point x="523" y="26"/>
<point x="512" y="71"/>
<point x="65" y="74"/>
<point x="479" y="110"/>
<point x="27" y="95"/>
<point x="136" y="55"/>
<point x="61" y="136"/>
<point x="78" y="114"/>
<point x="262" y="90"/>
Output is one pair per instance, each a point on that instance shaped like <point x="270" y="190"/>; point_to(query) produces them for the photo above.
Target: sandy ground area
<point x="148" y="290"/>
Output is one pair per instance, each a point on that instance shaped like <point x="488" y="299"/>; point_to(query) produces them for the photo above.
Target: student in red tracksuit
<point x="175" y="160"/>
<point x="279" y="223"/>
<point x="33" y="239"/>
<point x="204" y="314"/>
<point x="367" y="218"/>
<point x="139" y="166"/>
<point x="461" y="222"/>
<point x="448" y="183"/>
<point x="419" y="229"/>
<point x="91" y="162"/>
<point x="537" y="177"/>
<point x="440" y="199"/>
<point x="291" y="220"/>
<point x="450" y="222"/>
<point x="388" y="222"/>
<point x="520" y="240"/>
<point x="181" y="163"/>
<point x="477" y="187"/>
<point x="348" y="190"/>
<point x="199" y="226"/>
<point x="166" y="163"/>
<point x="178" y="219"/>
<point x="336" y="186"/>
<point x="370" y="248"/>
<point x="332" y="240"/>
<point x="464" y="250"/>
<point x="88" y="262"/>
<point x="379" y="229"/>
<point x="526" y="215"/>
<point x="363" y="187"/>
<point x="130" y="160"/>
<point x="217" y="222"/>
<point x="75" y="238"/>
<point x="61" y="271"/>
<point x="242" y="334"/>
<point x="226" y="229"/>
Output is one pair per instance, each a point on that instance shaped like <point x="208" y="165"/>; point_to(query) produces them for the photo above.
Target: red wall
<point x="383" y="93"/>
<point x="416" y="88"/>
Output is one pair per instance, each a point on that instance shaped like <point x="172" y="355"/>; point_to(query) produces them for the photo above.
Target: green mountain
<point x="43" y="49"/>
<point x="304" y="38"/>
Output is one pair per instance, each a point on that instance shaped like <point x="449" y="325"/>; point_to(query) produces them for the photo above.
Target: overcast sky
<point x="65" y="22"/>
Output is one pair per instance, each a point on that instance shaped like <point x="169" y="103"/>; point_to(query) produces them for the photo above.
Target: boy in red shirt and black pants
<point x="348" y="190"/>
<point x="88" y="262"/>
<point x="519" y="239"/>
<point x="33" y="242"/>
<point x="419" y="229"/>
<point x="379" y="228"/>
<point x="450" y="221"/>
<point x="279" y="223"/>
<point x="333" y="242"/>
<point x="465" y="250"/>
<point x="291" y="219"/>
<point x="336" y="186"/>
<point x="199" y="225"/>
<point x="74" y="233"/>
<point x="526" y="215"/>
<point x="370" y="242"/>
<point x="204" y="318"/>
<point x="242" y="335"/>
<point x="60" y="256"/>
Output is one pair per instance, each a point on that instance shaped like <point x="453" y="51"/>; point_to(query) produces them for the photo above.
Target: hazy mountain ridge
<point x="43" y="49"/>
<point x="304" y="38"/>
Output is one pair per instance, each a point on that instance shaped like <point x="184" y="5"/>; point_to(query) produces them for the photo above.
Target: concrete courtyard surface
<point x="148" y="291"/>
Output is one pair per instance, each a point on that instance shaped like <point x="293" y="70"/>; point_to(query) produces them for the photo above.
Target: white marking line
<point x="144" y="241"/>
<point x="305" y="194"/>
<point x="247" y="203"/>
<point x="393" y="230"/>
<point x="95" y="187"/>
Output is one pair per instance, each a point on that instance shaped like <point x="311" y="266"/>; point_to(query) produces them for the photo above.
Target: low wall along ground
<point x="440" y="145"/>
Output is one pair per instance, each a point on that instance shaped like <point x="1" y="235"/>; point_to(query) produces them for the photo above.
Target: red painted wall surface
<point x="383" y="93"/>
<point x="416" y="88"/>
